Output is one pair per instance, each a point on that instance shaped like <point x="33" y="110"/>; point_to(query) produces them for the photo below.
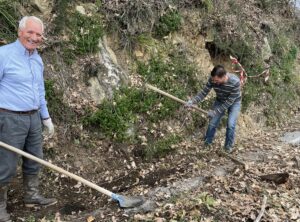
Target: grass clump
<point x="86" y="32"/>
<point x="9" y="16"/>
<point x="208" y="5"/>
<point x="170" y="22"/>
<point x="162" y="147"/>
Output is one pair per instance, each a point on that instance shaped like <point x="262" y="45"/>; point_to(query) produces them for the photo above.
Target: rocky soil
<point x="191" y="184"/>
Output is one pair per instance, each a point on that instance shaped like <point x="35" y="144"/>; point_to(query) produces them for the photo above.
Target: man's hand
<point x="49" y="125"/>
<point x="211" y="114"/>
<point x="189" y="103"/>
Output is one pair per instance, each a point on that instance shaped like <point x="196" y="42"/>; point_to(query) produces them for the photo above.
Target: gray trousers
<point x="23" y="132"/>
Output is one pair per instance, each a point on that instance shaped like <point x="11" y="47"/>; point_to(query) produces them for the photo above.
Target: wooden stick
<point x="173" y="97"/>
<point x="235" y="160"/>
<point x="262" y="211"/>
<point x="56" y="168"/>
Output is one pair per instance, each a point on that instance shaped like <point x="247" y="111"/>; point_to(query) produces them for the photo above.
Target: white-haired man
<point x="23" y="109"/>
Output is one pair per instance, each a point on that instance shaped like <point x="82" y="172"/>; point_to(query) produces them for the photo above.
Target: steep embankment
<point x="114" y="132"/>
<point x="192" y="184"/>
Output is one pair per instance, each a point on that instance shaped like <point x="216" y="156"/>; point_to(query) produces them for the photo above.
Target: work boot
<point x="4" y="216"/>
<point x="32" y="196"/>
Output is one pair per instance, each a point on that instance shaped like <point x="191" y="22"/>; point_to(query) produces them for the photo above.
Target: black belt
<point x="19" y="112"/>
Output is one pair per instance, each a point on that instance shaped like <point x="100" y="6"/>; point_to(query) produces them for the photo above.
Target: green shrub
<point x="162" y="147"/>
<point x="170" y="22"/>
<point x="31" y="218"/>
<point x="282" y="85"/>
<point x="285" y="54"/>
<point x="114" y="118"/>
<point x="243" y="49"/>
<point x="208" y="5"/>
<point x="117" y="118"/>
<point x="176" y="76"/>
<point x="86" y="32"/>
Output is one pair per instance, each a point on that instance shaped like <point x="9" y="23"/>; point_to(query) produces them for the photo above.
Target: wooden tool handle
<point x="56" y="168"/>
<point x="173" y="97"/>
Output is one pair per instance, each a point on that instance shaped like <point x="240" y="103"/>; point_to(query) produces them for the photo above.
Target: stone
<point x="291" y="138"/>
<point x="80" y="9"/>
<point x="96" y="90"/>
<point x="110" y="77"/>
<point x="138" y="54"/>
<point x="42" y="6"/>
<point x="266" y="51"/>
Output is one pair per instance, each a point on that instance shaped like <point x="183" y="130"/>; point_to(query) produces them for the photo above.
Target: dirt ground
<point x="236" y="192"/>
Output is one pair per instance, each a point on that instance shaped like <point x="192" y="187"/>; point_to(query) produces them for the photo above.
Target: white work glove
<point x="211" y="114"/>
<point x="189" y="103"/>
<point x="49" y="125"/>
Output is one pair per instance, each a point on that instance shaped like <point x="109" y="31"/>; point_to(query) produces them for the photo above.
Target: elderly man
<point x="227" y="88"/>
<point x="23" y="109"/>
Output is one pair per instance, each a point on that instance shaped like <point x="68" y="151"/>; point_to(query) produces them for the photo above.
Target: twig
<point x="262" y="210"/>
<point x="235" y="160"/>
<point x="296" y="159"/>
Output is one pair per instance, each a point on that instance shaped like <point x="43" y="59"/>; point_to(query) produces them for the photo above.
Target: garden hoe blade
<point x="128" y="202"/>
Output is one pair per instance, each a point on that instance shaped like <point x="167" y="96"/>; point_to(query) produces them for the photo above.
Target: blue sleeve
<point x="2" y="61"/>
<point x="43" y="103"/>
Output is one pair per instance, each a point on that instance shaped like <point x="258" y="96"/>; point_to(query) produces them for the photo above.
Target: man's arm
<point x="47" y="122"/>
<point x="2" y="61"/>
<point x="201" y="95"/>
<point x="43" y="102"/>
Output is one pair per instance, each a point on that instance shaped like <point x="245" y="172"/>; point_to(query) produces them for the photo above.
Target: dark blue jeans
<point x="233" y="113"/>
<point x="23" y="132"/>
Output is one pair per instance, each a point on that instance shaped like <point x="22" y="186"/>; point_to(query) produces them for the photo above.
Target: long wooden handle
<point x="173" y="97"/>
<point x="56" y="168"/>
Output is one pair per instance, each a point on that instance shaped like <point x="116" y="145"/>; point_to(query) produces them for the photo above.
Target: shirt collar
<point x="22" y="49"/>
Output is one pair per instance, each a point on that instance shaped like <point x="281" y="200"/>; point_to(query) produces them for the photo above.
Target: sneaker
<point x="228" y="149"/>
<point x="207" y="145"/>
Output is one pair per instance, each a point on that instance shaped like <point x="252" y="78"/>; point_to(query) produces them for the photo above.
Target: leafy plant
<point x="113" y="119"/>
<point x="119" y="118"/>
<point x="8" y="20"/>
<point x="162" y="147"/>
<point x="207" y="200"/>
<point x="31" y="218"/>
<point x="208" y="5"/>
<point x="86" y="32"/>
<point x="281" y="90"/>
<point x="168" y="23"/>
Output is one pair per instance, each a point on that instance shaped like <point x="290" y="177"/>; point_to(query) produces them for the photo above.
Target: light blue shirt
<point x="21" y="79"/>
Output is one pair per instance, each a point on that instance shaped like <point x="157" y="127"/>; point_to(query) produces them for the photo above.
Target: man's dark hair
<point x="218" y="71"/>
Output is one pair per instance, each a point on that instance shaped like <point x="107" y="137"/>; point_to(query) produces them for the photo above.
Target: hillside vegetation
<point x="99" y="54"/>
